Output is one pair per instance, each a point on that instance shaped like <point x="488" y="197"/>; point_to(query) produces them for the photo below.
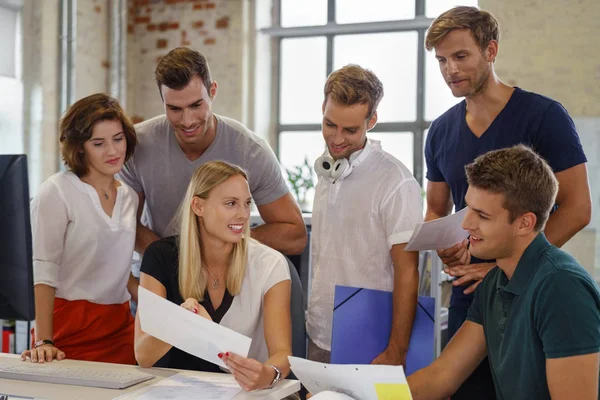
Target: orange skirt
<point x="93" y="332"/>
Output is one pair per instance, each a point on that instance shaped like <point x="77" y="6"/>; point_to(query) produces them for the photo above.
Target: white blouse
<point x="77" y="248"/>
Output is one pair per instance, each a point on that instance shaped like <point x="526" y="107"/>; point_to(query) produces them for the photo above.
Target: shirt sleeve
<point x="567" y="315"/>
<point x="49" y="221"/>
<point x="154" y="262"/>
<point x="401" y="210"/>
<point x="433" y="172"/>
<point x="270" y="184"/>
<point x="474" y="313"/>
<point x="557" y="140"/>
<point x="279" y="271"/>
<point x="128" y="174"/>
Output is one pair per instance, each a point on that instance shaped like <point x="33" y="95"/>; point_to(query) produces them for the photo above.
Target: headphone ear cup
<point x="339" y="168"/>
<point x="324" y="166"/>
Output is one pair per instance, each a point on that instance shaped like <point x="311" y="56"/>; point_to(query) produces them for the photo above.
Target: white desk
<point x="51" y="391"/>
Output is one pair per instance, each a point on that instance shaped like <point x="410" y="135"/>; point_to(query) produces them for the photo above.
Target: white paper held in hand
<point x="360" y="382"/>
<point x="187" y="331"/>
<point x="438" y="234"/>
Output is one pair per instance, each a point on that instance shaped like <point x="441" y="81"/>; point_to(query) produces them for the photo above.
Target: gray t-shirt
<point x="160" y="169"/>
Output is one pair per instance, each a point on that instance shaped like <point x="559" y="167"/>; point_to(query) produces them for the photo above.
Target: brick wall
<point x="213" y="27"/>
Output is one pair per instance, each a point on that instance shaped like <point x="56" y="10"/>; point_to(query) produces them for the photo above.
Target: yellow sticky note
<point x="393" y="391"/>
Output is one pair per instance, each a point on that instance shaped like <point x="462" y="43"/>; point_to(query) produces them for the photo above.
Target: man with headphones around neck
<point x="366" y="206"/>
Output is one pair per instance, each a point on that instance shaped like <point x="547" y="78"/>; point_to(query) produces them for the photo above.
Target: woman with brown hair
<point x="83" y="226"/>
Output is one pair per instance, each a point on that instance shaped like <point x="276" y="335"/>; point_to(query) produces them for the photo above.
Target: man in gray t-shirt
<point x="172" y="146"/>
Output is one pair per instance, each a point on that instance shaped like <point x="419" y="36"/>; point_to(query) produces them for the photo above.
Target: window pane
<point x="350" y="11"/>
<point x="294" y="147"/>
<point x="303" y="73"/>
<point x="438" y="97"/>
<point x="394" y="62"/>
<point x="303" y="13"/>
<point x="433" y="8"/>
<point x="398" y="144"/>
<point x="11" y="116"/>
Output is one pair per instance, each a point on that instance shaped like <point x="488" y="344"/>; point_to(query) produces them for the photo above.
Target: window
<point x="314" y="37"/>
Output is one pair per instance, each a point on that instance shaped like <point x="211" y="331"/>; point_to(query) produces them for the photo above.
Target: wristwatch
<point x="41" y="342"/>
<point x="277" y="375"/>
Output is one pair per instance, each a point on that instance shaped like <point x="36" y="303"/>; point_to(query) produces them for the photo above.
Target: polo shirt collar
<point x="526" y="267"/>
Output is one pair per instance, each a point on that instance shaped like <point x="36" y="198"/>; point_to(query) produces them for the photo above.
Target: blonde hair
<point x="353" y="84"/>
<point x="482" y="25"/>
<point x="192" y="281"/>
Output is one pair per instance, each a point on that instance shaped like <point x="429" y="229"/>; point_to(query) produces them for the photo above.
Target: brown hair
<point x="482" y="25"/>
<point x="522" y="176"/>
<point x="77" y="125"/>
<point x="353" y="84"/>
<point x="179" y="66"/>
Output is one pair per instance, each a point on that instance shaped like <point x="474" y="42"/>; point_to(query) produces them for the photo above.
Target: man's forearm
<point x="565" y="222"/>
<point x="405" y="295"/>
<point x="429" y="384"/>
<point x="143" y="237"/>
<point x="288" y="238"/>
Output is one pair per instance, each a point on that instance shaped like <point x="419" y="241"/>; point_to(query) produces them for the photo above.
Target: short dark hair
<point x="77" y="125"/>
<point x="353" y="84"/>
<point x="179" y="66"/>
<point x="522" y="176"/>
<point x="482" y="25"/>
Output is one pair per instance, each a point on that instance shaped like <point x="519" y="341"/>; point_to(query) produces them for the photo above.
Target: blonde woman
<point x="214" y="269"/>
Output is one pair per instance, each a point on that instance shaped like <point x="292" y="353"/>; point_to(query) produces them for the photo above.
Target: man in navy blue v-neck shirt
<point x="492" y="116"/>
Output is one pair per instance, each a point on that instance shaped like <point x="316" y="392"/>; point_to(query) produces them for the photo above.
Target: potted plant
<point x="300" y="179"/>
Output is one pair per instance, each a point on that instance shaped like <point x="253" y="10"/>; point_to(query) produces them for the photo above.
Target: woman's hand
<point x="249" y="373"/>
<point x="195" y="307"/>
<point x="43" y="353"/>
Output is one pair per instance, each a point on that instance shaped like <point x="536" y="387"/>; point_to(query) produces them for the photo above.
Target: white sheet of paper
<point x="187" y="331"/>
<point x="329" y="395"/>
<point x="438" y="234"/>
<point x="186" y="386"/>
<point x="356" y="381"/>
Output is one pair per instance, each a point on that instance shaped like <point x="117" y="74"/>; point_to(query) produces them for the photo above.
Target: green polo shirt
<point x="549" y="309"/>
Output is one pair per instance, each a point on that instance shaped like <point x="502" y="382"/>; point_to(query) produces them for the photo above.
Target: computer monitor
<point x="16" y="260"/>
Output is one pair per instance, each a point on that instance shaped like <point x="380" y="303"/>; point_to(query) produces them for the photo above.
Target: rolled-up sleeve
<point x="49" y="220"/>
<point x="401" y="211"/>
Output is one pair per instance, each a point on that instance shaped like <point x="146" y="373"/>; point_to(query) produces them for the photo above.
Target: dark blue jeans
<point x="480" y="385"/>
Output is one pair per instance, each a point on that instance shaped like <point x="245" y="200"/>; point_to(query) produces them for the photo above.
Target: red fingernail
<point x="227" y="354"/>
<point x="220" y="355"/>
<point x="195" y="310"/>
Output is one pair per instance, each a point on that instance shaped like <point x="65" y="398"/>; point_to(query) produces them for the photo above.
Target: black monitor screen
<point x="16" y="262"/>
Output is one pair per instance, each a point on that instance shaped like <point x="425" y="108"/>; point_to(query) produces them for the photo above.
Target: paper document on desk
<point x="188" y="331"/>
<point x="438" y="234"/>
<point x="188" y="386"/>
<point x="360" y="382"/>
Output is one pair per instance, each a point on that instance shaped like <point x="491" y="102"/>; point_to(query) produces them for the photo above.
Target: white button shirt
<point x="355" y="223"/>
<point x="77" y="248"/>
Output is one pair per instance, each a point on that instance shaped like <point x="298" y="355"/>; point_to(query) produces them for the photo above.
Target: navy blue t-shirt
<point x="528" y="118"/>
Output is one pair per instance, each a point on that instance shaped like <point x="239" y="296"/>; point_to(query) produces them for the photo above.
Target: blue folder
<point x="362" y="321"/>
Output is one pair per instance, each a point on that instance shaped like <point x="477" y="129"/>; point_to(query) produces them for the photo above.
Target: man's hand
<point x="469" y="273"/>
<point x="391" y="357"/>
<point x="456" y="255"/>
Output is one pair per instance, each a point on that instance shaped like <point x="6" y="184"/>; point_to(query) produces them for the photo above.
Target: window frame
<point x="419" y="24"/>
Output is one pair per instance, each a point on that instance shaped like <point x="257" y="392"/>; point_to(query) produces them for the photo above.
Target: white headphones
<point x="327" y="167"/>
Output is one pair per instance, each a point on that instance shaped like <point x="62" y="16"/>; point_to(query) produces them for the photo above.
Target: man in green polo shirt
<point x="537" y="314"/>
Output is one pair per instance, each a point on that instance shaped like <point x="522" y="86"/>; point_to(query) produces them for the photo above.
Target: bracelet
<point x="42" y="342"/>
<point x="277" y="375"/>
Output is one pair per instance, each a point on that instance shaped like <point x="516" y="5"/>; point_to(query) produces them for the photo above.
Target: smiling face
<point x="224" y="214"/>
<point x="493" y="236"/>
<point x="105" y="150"/>
<point x="345" y="127"/>
<point x="465" y="68"/>
<point x="189" y="111"/>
